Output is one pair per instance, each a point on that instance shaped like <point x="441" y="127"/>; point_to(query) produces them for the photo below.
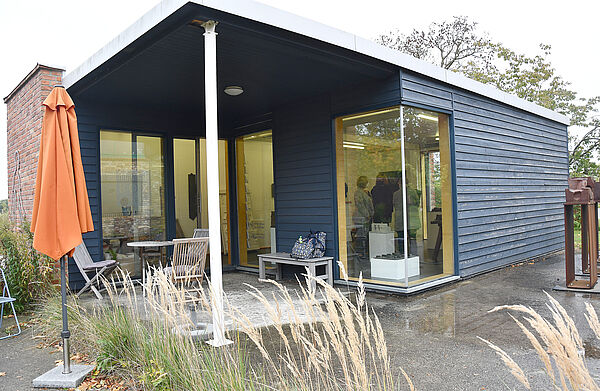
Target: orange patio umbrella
<point x="61" y="209"/>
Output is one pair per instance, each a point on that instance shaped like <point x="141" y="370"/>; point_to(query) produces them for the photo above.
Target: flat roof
<point x="282" y="19"/>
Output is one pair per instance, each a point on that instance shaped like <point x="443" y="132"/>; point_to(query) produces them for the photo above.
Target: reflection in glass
<point x="256" y="206"/>
<point x="395" y="234"/>
<point x="132" y="185"/>
<point x="185" y="181"/>
<point x="223" y="195"/>
<point x="191" y="201"/>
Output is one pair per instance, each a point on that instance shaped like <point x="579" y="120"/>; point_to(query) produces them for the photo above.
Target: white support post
<point x="212" y="181"/>
<point x="404" y="212"/>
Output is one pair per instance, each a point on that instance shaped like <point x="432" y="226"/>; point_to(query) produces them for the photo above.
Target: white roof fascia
<point x="278" y="18"/>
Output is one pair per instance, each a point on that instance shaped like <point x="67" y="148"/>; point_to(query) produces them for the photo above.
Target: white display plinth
<point x="393" y="269"/>
<point x="273" y="241"/>
<point x="380" y="243"/>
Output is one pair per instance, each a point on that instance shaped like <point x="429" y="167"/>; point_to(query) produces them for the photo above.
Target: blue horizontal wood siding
<point x="511" y="172"/>
<point x="424" y="91"/>
<point x="303" y="171"/>
<point x="366" y="96"/>
<point x="90" y="144"/>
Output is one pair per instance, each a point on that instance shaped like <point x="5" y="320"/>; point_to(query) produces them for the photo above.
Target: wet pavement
<point x="433" y="336"/>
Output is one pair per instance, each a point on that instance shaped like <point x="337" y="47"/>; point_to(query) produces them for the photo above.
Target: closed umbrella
<point x="61" y="209"/>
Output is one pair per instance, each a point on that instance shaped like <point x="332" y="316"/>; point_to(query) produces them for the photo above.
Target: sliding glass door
<point x="133" y="194"/>
<point x="395" y="195"/>
<point x="256" y="205"/>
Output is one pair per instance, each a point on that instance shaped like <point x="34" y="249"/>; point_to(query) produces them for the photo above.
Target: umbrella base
<point x="54" y="378"/>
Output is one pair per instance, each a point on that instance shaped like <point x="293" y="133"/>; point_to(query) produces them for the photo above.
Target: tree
<point x="450" y="45"/>
<point x="458" y="46"/>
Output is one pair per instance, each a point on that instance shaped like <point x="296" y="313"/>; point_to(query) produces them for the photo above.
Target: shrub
<point x="29" y="274"/>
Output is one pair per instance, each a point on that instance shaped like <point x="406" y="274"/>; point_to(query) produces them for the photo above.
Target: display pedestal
<point x="393" y="269"/>
<point x="273" y="240"/>
<point x="380" y="243"/>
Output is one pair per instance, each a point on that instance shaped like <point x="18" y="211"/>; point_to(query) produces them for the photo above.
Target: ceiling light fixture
<point x="349" y="144"/>
<point x="369" y="114"/>
<point x="429" y="117"/>
<point x="234" y="90"/>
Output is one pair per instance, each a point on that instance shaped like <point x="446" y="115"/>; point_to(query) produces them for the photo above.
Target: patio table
<point x="148" y="244"/>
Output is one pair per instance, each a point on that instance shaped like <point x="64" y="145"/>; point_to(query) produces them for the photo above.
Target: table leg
<point x="278" y="271"/>
<point x="330" y="272"/>
<point x="312" y="272"/>
<point x="143" y="266"/>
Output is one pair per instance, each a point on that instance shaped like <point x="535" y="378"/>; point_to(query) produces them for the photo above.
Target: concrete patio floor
<point x="238" y="288"/>
<point x="432" y="335"/>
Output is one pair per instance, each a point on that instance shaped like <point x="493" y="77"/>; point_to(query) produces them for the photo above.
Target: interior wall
<point x="258" y="167"/>
<point x="184" y="152"/>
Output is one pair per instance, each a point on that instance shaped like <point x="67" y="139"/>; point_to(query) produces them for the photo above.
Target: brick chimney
<point x="24" y="115"/>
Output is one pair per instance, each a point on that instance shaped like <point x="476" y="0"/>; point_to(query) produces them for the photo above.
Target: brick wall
<point x="24" y="115"/>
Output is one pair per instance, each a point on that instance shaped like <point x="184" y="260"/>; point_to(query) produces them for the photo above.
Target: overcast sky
<point x="40" y="31"/>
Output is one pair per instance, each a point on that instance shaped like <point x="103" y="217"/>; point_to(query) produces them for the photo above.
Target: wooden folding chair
<point x="6" y="298"/>
<point x="189" y="259"/>
<point x="86" y="265"/>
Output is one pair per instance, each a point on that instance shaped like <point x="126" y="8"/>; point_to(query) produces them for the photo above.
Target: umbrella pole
<point x="65" y="334"/>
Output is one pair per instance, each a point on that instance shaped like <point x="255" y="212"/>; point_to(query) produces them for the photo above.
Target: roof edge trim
<point x="282" y="19"/>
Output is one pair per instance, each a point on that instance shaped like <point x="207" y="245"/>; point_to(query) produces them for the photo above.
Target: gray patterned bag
<point x="310" y="246"/>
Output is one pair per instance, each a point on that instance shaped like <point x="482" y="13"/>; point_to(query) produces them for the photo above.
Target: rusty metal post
<point x="585" y="194"/>
<point x="585" y="265"/>
<point x="569" y="244"/>
<point x="592" y="234"/>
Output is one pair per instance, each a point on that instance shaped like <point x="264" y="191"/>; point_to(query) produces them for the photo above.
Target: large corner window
<point x="395" y="196"/>
<point x="133" y="198"/>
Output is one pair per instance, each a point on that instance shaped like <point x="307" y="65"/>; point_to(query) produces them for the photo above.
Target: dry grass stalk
<point x="332" y="344"/>
<point x="515" y="369"/>
<point x="557" y="344"/>
<point x="324" y="340"/>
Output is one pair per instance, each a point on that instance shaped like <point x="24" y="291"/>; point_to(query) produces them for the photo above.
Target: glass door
<point x="191" y="202"/>
<point x="256" y="205"/>
<point x="133" y="198"/>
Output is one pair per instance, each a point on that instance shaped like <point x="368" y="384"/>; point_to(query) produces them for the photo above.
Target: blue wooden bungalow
<point x="418" y="175"/>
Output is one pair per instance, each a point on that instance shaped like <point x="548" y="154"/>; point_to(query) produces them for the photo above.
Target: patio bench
<point x="284" y="258"/>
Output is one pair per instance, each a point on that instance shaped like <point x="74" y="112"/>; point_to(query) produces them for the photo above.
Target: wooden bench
<point x="284" y="258"/>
